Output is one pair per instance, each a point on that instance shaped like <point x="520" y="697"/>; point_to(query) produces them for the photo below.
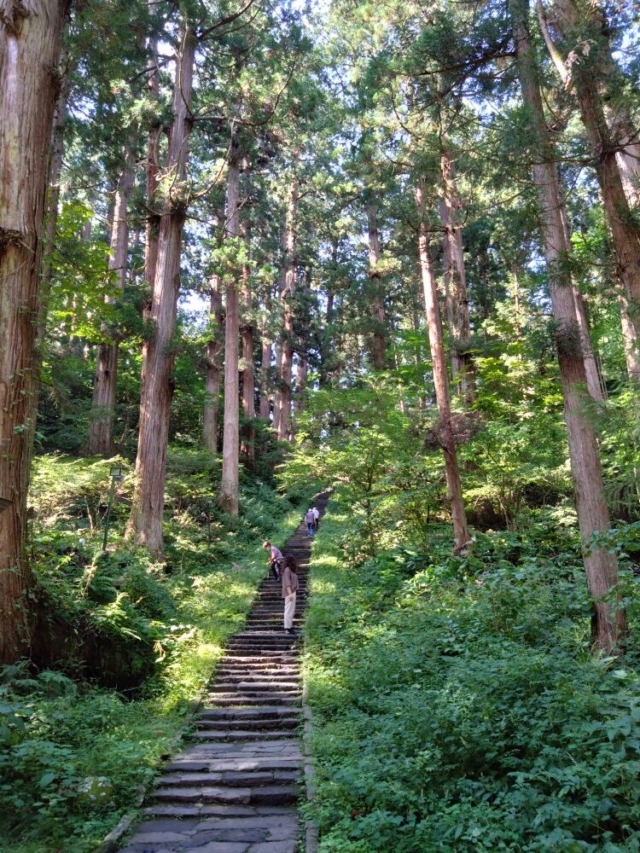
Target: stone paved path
<point x="235" y="788"/>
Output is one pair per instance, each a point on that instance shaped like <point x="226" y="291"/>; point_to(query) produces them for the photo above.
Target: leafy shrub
<point x="456" y="706"/>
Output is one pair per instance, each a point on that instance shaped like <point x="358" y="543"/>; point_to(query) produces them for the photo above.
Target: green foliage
<point x="455" y="705"/>
<point x="69" y="757"/>
<point x="73" y="754"/>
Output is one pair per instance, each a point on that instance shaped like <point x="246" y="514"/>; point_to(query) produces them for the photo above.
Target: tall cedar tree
<point x="593" y="516"/>
<point x="145" y="523"/>
<point x="30" y="40"/>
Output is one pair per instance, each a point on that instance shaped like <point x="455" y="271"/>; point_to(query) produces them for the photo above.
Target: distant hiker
<point x="310" y="520"/>
<point x="275" y="559"/>
<point x="316" y="517"/>
<point x="289" y="588"/>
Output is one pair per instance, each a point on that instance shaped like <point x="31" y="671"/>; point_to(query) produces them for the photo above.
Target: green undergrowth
<point x="457" y="705"/>
<point x="135" y="642"/>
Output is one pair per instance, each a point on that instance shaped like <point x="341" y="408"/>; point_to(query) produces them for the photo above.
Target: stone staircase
<point x="235" y="788"/>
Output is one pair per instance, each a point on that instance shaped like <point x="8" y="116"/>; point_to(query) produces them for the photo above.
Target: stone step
<point x="292" y="662"/>
<point x="191" y="764"/>
<point x="260" y="725"/>
<point x="235" y="700"/>
<point x="236" y="664"/>
<point x="215" y="735"/>
<point x="182" y="827"/>
<point x="265" y="673"/>
<point x="265" y="712"/>
<point x="237" y="814"/>
<point x="255" y="686"/>
<point x="270" y="643"/>
<point x="232" y="778"/>
<point x="268" y="795"/>
<point x="266" y="653"/>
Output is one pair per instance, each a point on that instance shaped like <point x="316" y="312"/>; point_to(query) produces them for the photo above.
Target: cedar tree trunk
<point x="145" y="523"/>
<point x="579" y="25"/>
<point x="212" y="381"/>
<point x="248" y="372"/>
<point x="439" y="366"/>
<point x="455" y="280"/>
<point x="287" y="289"/>
<point x="30" y="37"/>
<point x="100" y="439"/>
<point x="231" y="437"/>
<point x="379" y="342"/>
<point x="593" y="517"/>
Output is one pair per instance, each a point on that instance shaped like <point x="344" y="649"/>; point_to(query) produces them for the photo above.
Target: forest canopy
<point x="251" y="249"/>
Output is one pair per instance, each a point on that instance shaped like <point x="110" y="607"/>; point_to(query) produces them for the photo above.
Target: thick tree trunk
<point x="30" y="35"/>
<point x="265" y="366"/>
<point x="277" y="396"/>
<point x="153" y="177"/>
<point x="100" y="439"/>
<point x="379" y="337"/>
<point x="231" y="438"/>
<point x="593" y="517"/>
<point x="455" y="281"/>
<point x="145" y="523"/>
<point x="440" y="381"/>
<point x="629" y="337"/>
<point x="616" y="109"/>
<point x="301" y="384"/>
<point x="595" y="385"/>
<point x="287" y="289"/>
<point x="212" y="381"/>
<point x="248" y="370"/>
<point x="577" y="27"/>
<point x="53" y="197"/>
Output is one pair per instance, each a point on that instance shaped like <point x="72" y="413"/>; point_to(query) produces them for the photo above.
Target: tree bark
<point x="287" y="289"/>
<point x="578" y="29"/>
<point x="212" y="381"/>
<point x="231" y="439"/>
<point x="30" y="37"/>
<point x="248" y="371"/>
<point x="618" y="117"/>
<point x="379" y="338"/>
<point x="301" y="384"/>
<point x="265" y="366"/>
<point x="455" y="281"/>
<point x="440" y="381"/>
<point x="100" y="439"/>
<point x="145" y="523"/>
<point x="53" y="196"/>
<point x="277" y="397"/>
<point x="593" y="517"/>
<point x="153" y="177"/>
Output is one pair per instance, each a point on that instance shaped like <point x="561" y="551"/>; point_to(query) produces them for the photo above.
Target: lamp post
<point x="117" y="476"/>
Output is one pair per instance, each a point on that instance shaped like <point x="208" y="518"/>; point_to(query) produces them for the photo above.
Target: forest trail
<point x="235" y="788"/>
